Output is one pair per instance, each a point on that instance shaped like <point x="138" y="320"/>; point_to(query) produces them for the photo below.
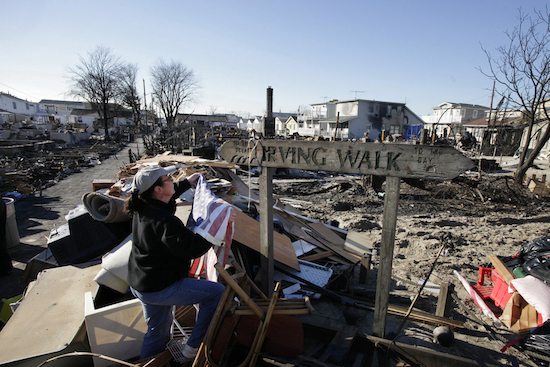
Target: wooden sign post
<point x="394" y="161"/>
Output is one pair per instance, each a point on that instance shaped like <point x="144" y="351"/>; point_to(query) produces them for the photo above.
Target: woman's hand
<point x="193" y="178"/>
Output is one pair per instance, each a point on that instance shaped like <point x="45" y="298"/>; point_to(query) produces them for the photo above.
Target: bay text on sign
<point x="383" y="159"/>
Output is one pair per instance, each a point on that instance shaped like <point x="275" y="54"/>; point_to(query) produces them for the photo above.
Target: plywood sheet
<point x="50" y="315"/>
<point x="357" y="243"/>
<point x="327" y="233"/>
<point x="247" y="232"/>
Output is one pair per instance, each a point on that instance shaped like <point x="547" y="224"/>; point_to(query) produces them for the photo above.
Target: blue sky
<point x="422" y="53"/>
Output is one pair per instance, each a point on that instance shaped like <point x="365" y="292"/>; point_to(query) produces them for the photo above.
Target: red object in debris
<point x="500" y="293"/>
<point x="484" y="273"/>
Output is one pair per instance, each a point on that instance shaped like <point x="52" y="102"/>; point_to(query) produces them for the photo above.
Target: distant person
<point x="158" y="268"/>
<point x="6" y="266"/>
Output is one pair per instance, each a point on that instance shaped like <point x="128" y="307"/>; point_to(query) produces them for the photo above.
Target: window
<point x="475" y="114"/>
<point x="27" y="105"/>
<point x="394" y="129"/>
<point x="462" y="112"/>
<point x="14" y="105"/>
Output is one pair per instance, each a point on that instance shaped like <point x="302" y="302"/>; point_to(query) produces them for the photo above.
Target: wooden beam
<point x="266" y="229"/>
<point x="445" y="301"/>
<point x="503" y="271"/>
<point x="386" y="256"/>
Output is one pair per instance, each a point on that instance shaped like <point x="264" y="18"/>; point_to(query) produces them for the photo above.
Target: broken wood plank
<point x="383" y="284"/>
<point x="266" y="230"/>
<point x="503" y="271"/>
<point x="247" y="232"/>
<point x="445" y="300"/>
<point x="318" y="256"/>
<point x="327" y="233"/>
<point x="357" y="243"/>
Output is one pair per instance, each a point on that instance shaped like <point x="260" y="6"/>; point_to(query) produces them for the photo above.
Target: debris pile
<point x="326" y="240"/>
<point x="31" y="171"/>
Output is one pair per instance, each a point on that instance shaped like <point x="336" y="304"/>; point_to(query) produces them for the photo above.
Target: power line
<point x="5" y="85"/>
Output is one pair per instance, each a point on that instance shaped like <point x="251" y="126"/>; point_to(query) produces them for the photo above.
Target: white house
<point x="355" y="119"/>
<point x="448" y="119"/>
<point x="539" y="129"/>
<point x="13" y="109"/>
<point x="59" y="111"/>
<point x="83" y="117"/>
<point x="281" y="120"/>
<point x="251" y="123"/>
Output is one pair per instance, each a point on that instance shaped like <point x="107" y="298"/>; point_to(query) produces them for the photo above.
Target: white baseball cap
<point x="147" y="176"/>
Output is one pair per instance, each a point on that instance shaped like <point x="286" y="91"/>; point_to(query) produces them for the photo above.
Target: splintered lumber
<point x="283" y="306"/>
<point x="247" y="232"/>
<point x="316" y="238"/>
<point x="357" y="243"/>
<point x="327" y="233"/>
<point x="502" y="270"/>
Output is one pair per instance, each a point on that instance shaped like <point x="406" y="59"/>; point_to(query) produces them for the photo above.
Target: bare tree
<point x="128" y="92"/>
<point x="96" y="80"/>
<point x="173" y="85"/>
<point x="522" y="73"/>
<point x="213" y="110"/>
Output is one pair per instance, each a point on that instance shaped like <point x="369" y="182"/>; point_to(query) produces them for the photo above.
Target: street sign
<point x="383" y="159"/>
<point x="393" y="160"/>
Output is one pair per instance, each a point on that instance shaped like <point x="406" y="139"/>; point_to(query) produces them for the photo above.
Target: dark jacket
<point x="162" y="246"/>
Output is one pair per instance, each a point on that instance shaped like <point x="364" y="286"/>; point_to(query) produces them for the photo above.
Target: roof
<point x="68" y="103"/>
<point x="14" y="97"/>
<point x="193" y="117"/>
<point x="455" y="105"/>
<point x="83" y="112"/>
<point x="484" y="122"/>
<point x="340" y="119"/>
<point x="358" y="100"/>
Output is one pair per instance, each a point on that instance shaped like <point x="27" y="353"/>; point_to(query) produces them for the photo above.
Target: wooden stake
<point x="364" y="271"/>
<point x="386" y="256"/>
<point x="444" y="301"/>
<point x="266" y="229"/>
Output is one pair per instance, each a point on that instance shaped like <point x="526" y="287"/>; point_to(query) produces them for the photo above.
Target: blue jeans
<point x="157" y="310"/>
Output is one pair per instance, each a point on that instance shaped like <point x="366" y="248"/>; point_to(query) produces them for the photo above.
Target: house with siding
<point x="14" y="109"/>
<point x="539" y="129"/>
<point x="359" y="118"/>
<point x="447" y="119"/>
<point x="58" y="110"/>
<point x="281" y="120"/>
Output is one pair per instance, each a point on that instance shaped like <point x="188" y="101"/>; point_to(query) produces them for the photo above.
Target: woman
<point x="158" y="267"/>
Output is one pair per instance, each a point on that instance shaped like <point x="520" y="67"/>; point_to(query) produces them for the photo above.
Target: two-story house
<point x="281" y="120"/>
<point x="359" y="118"/>
<point x="448" y="119"/>
<point x="59" y="111"/>
<point x="13" y="109"/>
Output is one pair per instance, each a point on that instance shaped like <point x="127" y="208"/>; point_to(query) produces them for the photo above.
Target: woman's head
<point x="151" y="182"/>
<point x="149" y="176"/>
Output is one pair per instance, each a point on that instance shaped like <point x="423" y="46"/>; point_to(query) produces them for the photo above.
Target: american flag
<point x="210" y="218"/>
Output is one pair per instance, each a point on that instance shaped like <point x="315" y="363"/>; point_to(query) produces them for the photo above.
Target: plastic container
<point x="500" y="290"/>
<point x="12" y="233"/>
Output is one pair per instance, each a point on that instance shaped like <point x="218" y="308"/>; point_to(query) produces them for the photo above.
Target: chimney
<point x="269" y="121"/>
